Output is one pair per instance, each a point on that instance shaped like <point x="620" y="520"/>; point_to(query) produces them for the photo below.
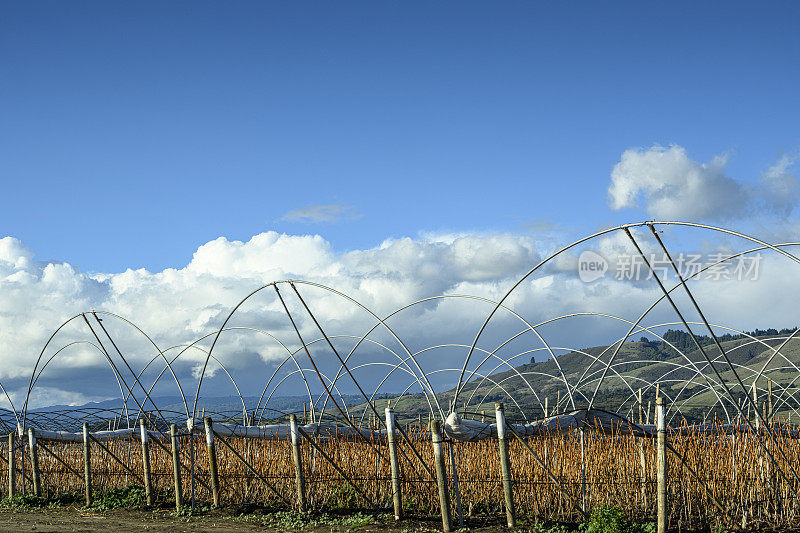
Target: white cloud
<point x="177" y="306"/>
<point x="316" y="214"/>
<point x="46" y="396"/>
<point x="670" y="185"/>
<point x="780" y="188"/>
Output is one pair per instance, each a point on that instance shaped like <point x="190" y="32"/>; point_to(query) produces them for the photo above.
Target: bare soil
<point x="75" y="518"/>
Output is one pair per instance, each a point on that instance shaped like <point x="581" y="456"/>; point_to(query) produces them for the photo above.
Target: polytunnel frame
<point x="698" y="372"/>
<point x="304" y="345"/>
<point x="34" y="376"/>
<point x="477" y="298"/>
<point x="626" y="228"/>
<point x="423" y="376"/>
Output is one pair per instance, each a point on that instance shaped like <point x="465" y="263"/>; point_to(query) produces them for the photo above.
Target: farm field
<point x="351" y="482"/>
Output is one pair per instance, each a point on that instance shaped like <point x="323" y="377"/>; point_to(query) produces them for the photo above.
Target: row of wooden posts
<point x="504" y="434"/>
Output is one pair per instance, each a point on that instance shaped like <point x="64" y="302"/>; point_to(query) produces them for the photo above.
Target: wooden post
<point x="583" y="472"/>
<point x="87" y="464"/>
<point x="546" y="448"/>
<point x="456" y="490"/>
<point x="641" y="407"/>
<point x="769" y="401"/>
<point x="483" y="416"/>
<point x="642" y="461"/>
<point x="299" y="480"/>
<point x="212" y="459"/>
<point x="37" y="481"/>
<point x="12" y="468"/>
<point x="395" y="465"/>
<point x="755" y="411"/>
<point x="148" y="483"/>
<point x="441" y="475"/>
<point x="176" y="465"/>
<point x="505" y="464"/>
<point x="661" y="451"/>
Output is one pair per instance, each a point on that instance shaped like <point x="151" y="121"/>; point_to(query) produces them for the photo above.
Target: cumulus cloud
<point x="180" y="305"/>
<point x="177" y="306"/>
<point x="780" y="188"/>
<point x="668" y="184"/>
<point x="317" y="214"/>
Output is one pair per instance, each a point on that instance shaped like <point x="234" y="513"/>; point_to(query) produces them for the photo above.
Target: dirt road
<point x="69" y="518"/>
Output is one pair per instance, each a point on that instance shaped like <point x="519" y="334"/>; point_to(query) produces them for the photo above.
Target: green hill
<point x="684" y="379"/>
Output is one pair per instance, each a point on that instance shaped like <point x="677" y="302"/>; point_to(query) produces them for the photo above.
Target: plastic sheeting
<point x="281" y="431"/>
<point x="455" y="427"/>
<point x="274" y="431"/>
<point x="66" y="436"/>
<point x="466" y="430"/>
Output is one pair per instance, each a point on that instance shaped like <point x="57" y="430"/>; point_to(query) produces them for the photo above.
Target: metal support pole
<point x="176" y="465"/>
<point x="505" y="464"/>
<point x="212" y="459"/>
<point x="12" y="467"/>
<point x="441" y="476"/>
<point x="395" y="465"/>
<point x="297" y="457"/>
<point x="37" y="482"/>
<point x="148" y="483"/>
<point x="661" y="445"/>
<point x="87" y="464"/>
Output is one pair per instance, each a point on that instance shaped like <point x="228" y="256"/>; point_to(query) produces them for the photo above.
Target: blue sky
<point x="161" y="160"/>
<point x="132" y="134"/>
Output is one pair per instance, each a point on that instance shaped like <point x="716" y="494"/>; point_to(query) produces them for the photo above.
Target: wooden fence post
<point x="87" y="464"/>
<point x="770" y="414"/>
<point x="148" y="483"/>
<point x="12" y="467"/>
<point x="456" y="490"/>
<point x="505" y="464"/>
<point x="212" y="459"/>
<point x="297" y="457"/>
<point x="661" y="445"/>
<point x="395" y="465"/>
<point x="756" y="420"/>
<point x="583" y="470"/>
<point x="176" y="465"/>
<point x="441" y="476"/>
<point x="642" y="460"/>
<point x="37" y="480"/>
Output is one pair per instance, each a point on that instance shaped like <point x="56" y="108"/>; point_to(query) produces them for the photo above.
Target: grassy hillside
<point x="641" y="363"/>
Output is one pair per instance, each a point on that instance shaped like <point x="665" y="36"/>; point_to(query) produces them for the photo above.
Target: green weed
<point x="131" y="496"/>
<point x="614" y="520"/>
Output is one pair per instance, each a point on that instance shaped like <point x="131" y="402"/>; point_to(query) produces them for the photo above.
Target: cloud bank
<point x="178" y="306"/>
<point x="669" y="185"/>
